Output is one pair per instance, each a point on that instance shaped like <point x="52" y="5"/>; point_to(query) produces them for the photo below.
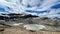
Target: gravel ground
<point x="18" y="30"/>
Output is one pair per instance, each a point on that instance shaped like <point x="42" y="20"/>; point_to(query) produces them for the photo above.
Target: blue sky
<point x="53" y="7"/>
<point x="56" y="6"/>
<point x="29" y="7"/>
<point x="32" y="11"/>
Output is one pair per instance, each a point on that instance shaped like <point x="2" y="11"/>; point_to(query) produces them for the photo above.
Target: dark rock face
<point x="1" y="30"/>
<point x="16" y="16"/>
<point x="26" y="18"/>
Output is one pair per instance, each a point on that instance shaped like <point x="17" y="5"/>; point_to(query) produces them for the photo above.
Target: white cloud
<point x="16" y="6"/>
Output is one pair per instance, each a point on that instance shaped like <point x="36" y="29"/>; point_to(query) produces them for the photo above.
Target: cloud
<point x="20" y="6"/>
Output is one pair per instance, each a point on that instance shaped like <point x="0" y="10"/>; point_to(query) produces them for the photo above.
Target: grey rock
<point x="52" y="28"/>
